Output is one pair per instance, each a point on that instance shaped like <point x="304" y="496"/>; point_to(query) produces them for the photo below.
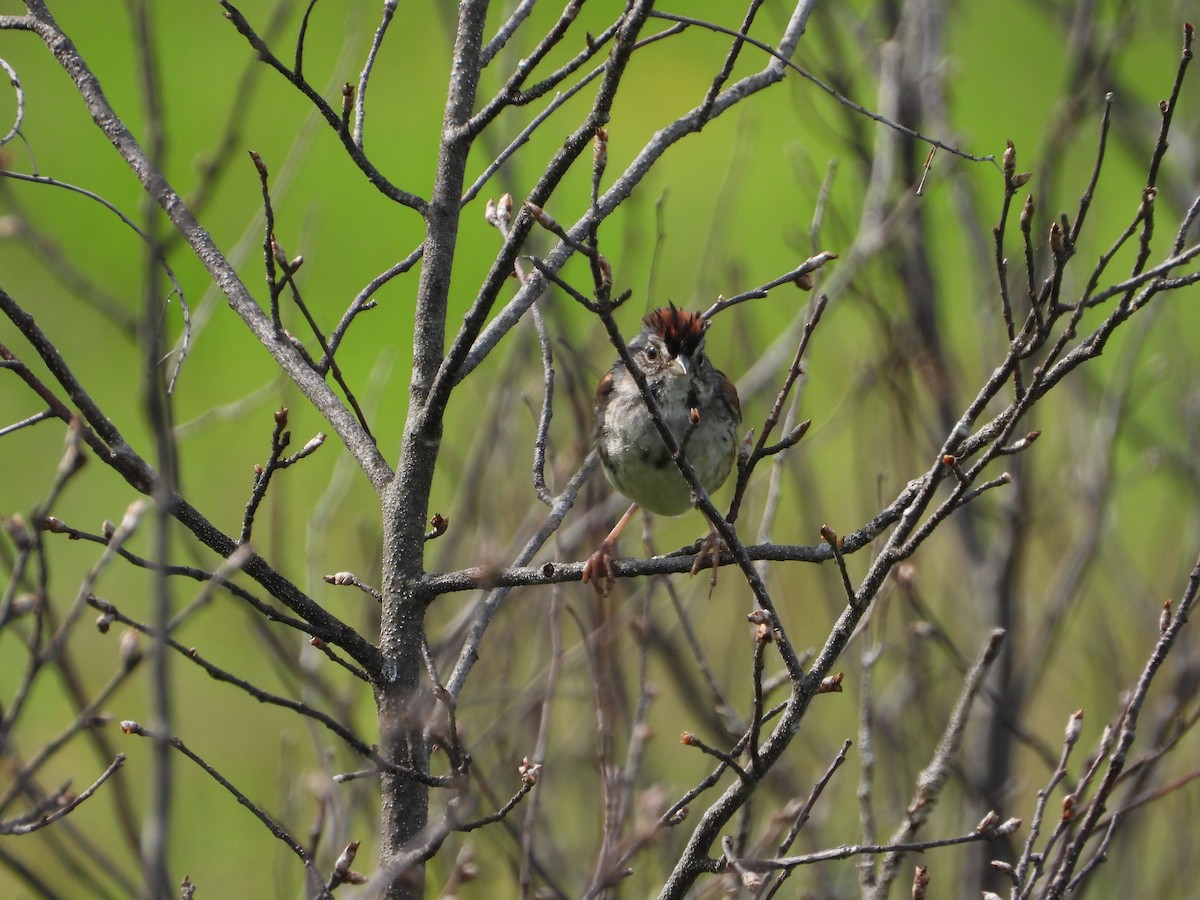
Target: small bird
<point x="699" y="405"/>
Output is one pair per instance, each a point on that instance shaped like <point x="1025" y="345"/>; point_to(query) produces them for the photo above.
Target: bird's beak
<point x="681" y="364"/>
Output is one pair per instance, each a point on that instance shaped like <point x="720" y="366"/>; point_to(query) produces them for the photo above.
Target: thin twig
<point x="177" y="289"/>
<point x="130" y="727"/>
<point x="840" y="98"/>
<point x="360" y="96"/>
<point x="936" y="774"/>
<point x="62" y="805"/>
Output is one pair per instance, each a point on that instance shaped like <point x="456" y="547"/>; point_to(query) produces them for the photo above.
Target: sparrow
<point x="699" y="406"/>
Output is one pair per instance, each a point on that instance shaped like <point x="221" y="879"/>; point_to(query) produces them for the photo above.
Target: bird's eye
<point x="651" y="353"/>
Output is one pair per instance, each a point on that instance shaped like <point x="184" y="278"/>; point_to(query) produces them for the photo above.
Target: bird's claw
<point x="710" y="549"/>
<point x="598" y="570"/>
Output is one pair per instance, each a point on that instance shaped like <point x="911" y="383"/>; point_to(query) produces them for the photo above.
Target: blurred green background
<point x="736" y="203"/>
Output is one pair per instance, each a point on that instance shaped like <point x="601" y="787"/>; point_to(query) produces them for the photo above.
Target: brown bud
<point x="920" y="884"/>
<point x="1010" y="161"/>
<point x="1068" y="807"/>
<point x="831" y="684"/>
<point x="18" y="531"/>
<point x="277" y="252"/>
<point x="600" y="149"/>
<point x="687" y="739"/>
<point x="805" y="279"/>
<point x="1164" y="618"/>
<point x="678" y="816"/>
<point x="1007" y="827"/>
<point x="605" y="268"/>
<point x="342" y="866"/>
<point x="1074" y="727"/>
<point x="1027" y="213"/>
<point x="528" y="771"/>
<point x="988" y="822"/>
<point x="130" y="648"/>
<point x="1021" y="179"/>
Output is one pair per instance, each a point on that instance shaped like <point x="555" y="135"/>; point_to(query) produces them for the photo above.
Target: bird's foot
<point x="710" y="549"/>
<point x="598" y="570"/>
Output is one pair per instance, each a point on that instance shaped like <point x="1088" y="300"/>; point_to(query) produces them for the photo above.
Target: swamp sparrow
<point x="700" y="407"/>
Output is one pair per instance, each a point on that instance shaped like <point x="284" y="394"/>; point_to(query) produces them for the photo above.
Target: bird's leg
<point x="710" y="549"/>
<point x="598" y="570"/>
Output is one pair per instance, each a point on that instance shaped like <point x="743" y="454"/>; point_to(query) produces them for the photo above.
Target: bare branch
<point x="61" y="805"/>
